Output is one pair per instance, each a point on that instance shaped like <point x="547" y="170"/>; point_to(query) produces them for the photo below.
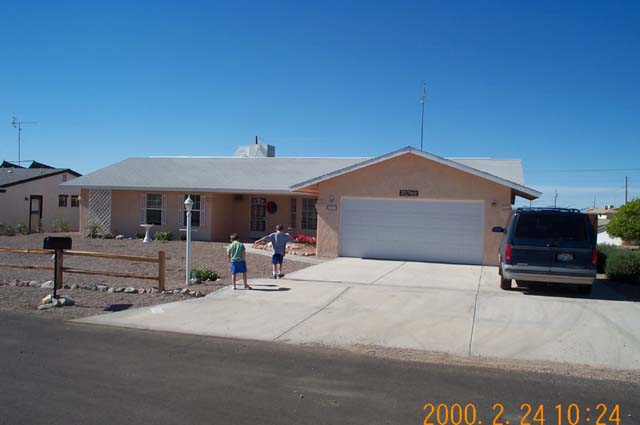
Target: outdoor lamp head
<point x="188" y="203"/>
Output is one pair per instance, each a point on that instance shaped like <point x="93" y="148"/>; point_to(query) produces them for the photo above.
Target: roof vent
<point x="256" y="151"/>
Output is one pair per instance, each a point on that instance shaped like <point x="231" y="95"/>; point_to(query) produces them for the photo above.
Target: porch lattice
<point x="100" y="209"/>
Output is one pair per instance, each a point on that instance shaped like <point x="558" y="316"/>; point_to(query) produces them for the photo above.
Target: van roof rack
<point x="572" y="210"/>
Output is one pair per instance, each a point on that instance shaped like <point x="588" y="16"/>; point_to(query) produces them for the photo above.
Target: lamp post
<point x="188" y="205"/>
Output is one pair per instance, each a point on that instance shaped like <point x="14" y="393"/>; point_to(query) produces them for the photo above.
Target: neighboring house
<point x="601" y="217"/>
<point x="34" y="198"/>
<point x="405" y="205"/>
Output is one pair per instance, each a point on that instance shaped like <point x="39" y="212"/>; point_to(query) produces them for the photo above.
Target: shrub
<point x="604" y="250"/>
<point x="22" y="229"/>
<point x="204" y="274"/>
<point x="59" y="226"/>
<point x="10" y="231"/>
<point x="163" y="236"/>
<point x="626" y="223"/>
<point x="183" y="237"/>
<point x="93" y="230"/>
<point x="623" y="264"/>
<point x="139" y="235"/>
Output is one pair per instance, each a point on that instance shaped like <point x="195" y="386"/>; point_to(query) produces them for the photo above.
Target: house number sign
<point x="407" y="192"/>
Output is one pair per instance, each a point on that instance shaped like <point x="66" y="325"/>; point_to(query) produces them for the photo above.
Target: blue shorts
<point x="238" y="267"/>
<point x="277" y="259"/>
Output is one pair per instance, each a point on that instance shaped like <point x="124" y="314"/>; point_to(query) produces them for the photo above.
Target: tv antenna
<point x="422" y="96"/>
<point x="18" y="124"/>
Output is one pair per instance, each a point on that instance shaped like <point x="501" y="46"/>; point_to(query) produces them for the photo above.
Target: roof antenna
<point x="422" y="96"/>
<point x="256" y="140"/>
<point x="18" y="124"/>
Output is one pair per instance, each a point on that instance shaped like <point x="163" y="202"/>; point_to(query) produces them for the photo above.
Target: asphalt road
<point x="53" y="372"/>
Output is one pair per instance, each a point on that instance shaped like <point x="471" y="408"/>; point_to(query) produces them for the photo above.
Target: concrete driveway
<point x="455" y="309"/>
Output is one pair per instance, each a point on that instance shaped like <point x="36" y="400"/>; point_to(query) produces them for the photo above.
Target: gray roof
<point x="230" y="174"/>
<point x="210" y="174"/>
<point x="508" y="169"/>
<point x="13" y="176"/>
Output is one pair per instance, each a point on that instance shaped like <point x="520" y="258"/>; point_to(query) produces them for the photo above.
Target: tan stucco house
<point x="32" y="196"/>
<point x="405" y="205"/>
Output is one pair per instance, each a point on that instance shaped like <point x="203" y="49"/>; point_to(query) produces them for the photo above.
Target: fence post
<point x="160" y="271"/>
<point x="59" y="260"/>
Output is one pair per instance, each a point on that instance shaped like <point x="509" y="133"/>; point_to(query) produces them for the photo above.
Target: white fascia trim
<point x="186" y="190"/>
<point x="518" y="187"/>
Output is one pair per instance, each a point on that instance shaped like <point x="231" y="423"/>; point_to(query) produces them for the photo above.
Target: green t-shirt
<point x="235" y="250"/>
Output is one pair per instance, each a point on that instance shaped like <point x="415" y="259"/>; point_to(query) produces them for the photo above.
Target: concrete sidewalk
<point x="432" y="307"/>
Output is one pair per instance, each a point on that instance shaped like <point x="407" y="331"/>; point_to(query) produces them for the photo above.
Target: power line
<point x="586" y="170"/>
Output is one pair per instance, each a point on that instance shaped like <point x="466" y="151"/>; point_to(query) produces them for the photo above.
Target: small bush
<point x="204" y="274"/>
<point x="93" y="230"/>
<point x="623" y="264"/>
<point x="10" y="231"/>
<point x="22" y="229"/>
<point x="139" y="235"/>
<point x="183" y="237"/>
<point x="163" y="236"/>
<point x="304" y="239"/>
<point x="59" y="226"/>
<point x="604" y="250"/>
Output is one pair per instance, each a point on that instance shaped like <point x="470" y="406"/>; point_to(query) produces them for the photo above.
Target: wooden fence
<point x="160" y="260"/>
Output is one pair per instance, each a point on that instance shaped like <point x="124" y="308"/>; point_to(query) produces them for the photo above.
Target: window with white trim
<point x="197" y="211"/>
<point x="75" y="201"/>
<point x="63" y="200"/>
<point x="293" y="213"/>
<point x="153" y="208"/>
<point x="309" y="214"/>
<point x="258" y="214"/>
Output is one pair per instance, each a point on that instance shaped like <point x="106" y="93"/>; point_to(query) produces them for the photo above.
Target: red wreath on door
<point x="272" y="207"/>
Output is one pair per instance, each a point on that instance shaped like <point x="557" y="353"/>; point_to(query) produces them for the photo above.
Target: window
<point x="153" y="208"/>
<point x="75" y="201"/>
<point x="197" y="216"/>
<point x="293" y="216"/>
<point x="62" y="200"/>
<point x="258" y="214"/>
<point x="309" y="214"/>
<point x="551" y="227"/>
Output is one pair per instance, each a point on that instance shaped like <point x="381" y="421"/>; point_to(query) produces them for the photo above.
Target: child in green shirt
<point x="235" y="254"/>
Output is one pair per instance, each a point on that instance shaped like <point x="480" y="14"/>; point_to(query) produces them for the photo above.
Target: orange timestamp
<point x="528" y="414"/>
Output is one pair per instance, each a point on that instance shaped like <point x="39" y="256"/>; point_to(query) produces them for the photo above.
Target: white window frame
<point x="162" y="209"/>
<point x="309" y="214"/>
<point x="182" y="215"/>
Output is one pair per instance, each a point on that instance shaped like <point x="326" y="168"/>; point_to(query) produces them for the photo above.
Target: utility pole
<point x="18" y="124"/>
<point x="555" y="199"/>
<point x="626" y="188"/>
<point x="422" y="97"/>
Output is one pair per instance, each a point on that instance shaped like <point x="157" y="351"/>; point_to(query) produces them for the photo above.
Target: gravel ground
<point x="211" y="255"/>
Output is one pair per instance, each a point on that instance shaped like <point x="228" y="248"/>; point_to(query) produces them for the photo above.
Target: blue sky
<point x="553" y="83"/>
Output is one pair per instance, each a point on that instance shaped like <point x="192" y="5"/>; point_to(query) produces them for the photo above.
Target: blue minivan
<point x="549" y="245"/>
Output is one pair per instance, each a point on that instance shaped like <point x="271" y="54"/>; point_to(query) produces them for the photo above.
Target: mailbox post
<point x="58" y="244"/>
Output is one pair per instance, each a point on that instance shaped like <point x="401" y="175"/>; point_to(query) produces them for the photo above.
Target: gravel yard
<point x="211" y="255"/>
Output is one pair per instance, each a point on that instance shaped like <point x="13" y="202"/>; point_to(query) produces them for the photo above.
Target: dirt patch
<point x="211" y="255"/>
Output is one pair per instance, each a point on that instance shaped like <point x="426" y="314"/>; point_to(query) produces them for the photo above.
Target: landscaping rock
<point x="74" y="286"/>
<point x="65" y="286"/>
<point x="13" y="283"/>
<point x="130" y="290"/>
<point x="120" y="237"/>
<point x="66" y="301"/>
<point x="118" y="289"/>
<point x="198" y="294"/>
<point x="153" y="290"/>
<point x="34" y="283"/>
<point x="102" y="288"/>
<point x="47" y="285"/>
<point x="141" y="291"/>
<point x="45" y="306"/>
<point x="46" y="300"/>
<point x="111" y="290"/>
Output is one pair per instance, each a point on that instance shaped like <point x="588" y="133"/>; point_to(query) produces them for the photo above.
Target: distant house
<point x="404" y="205"/>
<point x="32" y="196"/>
<point x="601" y="217"/>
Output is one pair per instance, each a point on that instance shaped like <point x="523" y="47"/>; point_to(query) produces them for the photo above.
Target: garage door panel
<point x="442" y="231"/>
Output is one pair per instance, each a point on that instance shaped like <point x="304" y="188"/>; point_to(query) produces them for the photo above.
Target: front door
<point x="35" y="213"/>
<point x="258" y="217"/>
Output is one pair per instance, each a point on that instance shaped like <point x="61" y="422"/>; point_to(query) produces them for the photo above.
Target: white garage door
<point x="413" y="230"/>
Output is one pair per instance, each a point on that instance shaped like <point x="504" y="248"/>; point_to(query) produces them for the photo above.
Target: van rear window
<point x="548" y="226"/>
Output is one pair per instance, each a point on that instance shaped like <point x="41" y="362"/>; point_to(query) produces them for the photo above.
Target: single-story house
<point x="32" y="197"/>
<point x="405" y="205"/>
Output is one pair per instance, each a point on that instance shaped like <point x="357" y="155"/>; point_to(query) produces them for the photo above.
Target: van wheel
<point x="505" y="284"/>
<point x="585" y="289"/>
